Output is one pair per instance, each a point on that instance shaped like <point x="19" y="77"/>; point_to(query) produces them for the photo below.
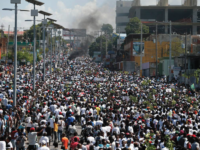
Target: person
<point x="32" y="137"/>
<point x="74" y="144"/>
<point x="44" y="137"/>
<point x="43" y="147"/>
<point x="61" y="126"/>
<point x="49" y="132"/>
<point x="2" y="144"/>
<point x="55" y="129"/>
<point x="9" y="145"/>
<point x="65" y="141"/>
<point x="56" y="146"/>
<point x="14" y="135"/>
<point x="20" y="142"/>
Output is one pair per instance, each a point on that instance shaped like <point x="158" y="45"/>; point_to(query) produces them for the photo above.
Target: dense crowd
<point x="115" y="110"/>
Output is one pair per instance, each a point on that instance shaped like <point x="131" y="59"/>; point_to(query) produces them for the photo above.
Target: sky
<point x="68" y="13"/>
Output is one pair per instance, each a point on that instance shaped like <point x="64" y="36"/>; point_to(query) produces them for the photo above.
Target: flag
<point x="192" y="87"/>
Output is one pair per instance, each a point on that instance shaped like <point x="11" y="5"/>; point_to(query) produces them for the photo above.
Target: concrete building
<point x="184" y="17"/>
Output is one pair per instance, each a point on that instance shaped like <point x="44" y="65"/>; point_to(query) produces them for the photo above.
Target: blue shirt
<point x="8" y="106"/>
<point x="70" y="120"/>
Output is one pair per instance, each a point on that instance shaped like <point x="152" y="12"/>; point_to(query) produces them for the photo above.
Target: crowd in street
<point x="115" y="110"/>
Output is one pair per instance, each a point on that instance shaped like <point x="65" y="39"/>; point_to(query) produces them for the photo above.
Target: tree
<point x="176" y="47"/>
<point x="107" y="28"/>
<point x="39" y="34"/>
<point x="95" y="46"/>
<point x="134" y="26"/>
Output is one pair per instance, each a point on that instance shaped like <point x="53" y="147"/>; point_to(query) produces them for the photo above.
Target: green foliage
<point x="134" y="26"/>
<point x="196" y="74"/>
<point x="107" y="28"/>
<point x="96" y="46"/>
<point x="112" y="92"/>
<point x="154" y="91"/>
<point x="145" y="82"/>
<point x="185" y="75"/>
<point x="126" y="72"/>
<point x="25" y="55"/>
<point x="133" y="99"/>
<point x="177" y="49"/>
<point x="169" y="143"/>
<point x="98" y="86"/>
<point x="173" y="102"/>
<point x="189" y="100"/>
<point x="22" y="55"/>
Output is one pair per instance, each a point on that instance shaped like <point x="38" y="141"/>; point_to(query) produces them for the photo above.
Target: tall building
<point x="184" y="17"/>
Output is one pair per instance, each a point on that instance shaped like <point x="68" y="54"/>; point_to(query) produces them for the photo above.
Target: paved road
<point x="78" y="127"/>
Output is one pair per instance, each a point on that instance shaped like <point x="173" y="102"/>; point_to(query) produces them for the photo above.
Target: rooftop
<point x="19" y="33"/>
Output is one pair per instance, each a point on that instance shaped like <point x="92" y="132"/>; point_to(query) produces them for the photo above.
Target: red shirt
<point x="72" y="139"/>
<point x="73" y="145"/>
<point x="13" y="134"/>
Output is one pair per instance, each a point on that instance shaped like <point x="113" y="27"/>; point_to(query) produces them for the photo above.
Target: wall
<point x="150" y="52"/>
<point x="129" y="66"/>
<point x="3" y="42"/>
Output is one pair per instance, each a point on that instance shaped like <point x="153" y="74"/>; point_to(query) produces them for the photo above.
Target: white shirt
<point x="83" y="111"/>
<point x="43" y="148"/>
<point x="62" y="123"/>
<point x="5" y="102"/>
<point x="91" y="139"/>
<point x="44" y="138"/>
<point x="51" y="120"/>
<point x="2" y="145"/>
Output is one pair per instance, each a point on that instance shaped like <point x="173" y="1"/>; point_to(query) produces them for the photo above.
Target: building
<point x="20" y="35"/>
<point x="3" y="43"/>
<point x="184" y="18"/>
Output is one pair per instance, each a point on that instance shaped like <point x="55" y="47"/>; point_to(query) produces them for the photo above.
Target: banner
<point x="79" y="32"/>
<point x="137" y="48"/>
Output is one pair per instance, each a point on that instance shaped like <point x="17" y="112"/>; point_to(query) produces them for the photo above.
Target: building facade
<point x="184" y="18"/>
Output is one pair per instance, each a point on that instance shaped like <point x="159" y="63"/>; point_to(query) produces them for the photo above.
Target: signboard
<point x="74" y="32"/>
<point x="79" y="32"/>
<point x="176" y="71"/>
<point x="9" y="60"/>
<point x="137" y="48"/>
<point x="23" y="60"/>
<point x="66" y="33"/>
<point x="97" y="56"/>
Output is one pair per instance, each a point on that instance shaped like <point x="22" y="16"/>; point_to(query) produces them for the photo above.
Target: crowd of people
<point x="82" y="106"/>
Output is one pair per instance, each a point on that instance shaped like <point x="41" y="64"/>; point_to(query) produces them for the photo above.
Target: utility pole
<point x="156" y="50"/>
<point x="106" y="44"/>
<point x="51" y="50"/>
<point x="185" y="55"/>
<point x="34" y="49"/>
<point x="141" y="51"/>
<point x="101" y="47"/>
<point x="7" y="43"/>
<point x="170" y="50"/>
<point x="15" y="59"/>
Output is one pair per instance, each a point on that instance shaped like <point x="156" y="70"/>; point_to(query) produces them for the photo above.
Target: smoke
<point x="91" y="22"/>
<point x="92" y="17"/>
<point x="75" y="54"/>
<point x="84" y="48"/>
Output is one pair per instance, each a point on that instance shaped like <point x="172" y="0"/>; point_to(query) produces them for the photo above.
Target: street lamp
<point x="34" y="13"/>
<point x="43" y="30"/>
<point x="15" y="47"/>
<point x="51" y="29"/>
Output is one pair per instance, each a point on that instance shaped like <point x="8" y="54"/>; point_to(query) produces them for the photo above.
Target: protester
<point x="81" y="105"/>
